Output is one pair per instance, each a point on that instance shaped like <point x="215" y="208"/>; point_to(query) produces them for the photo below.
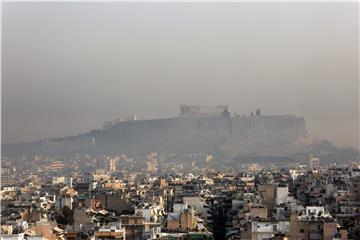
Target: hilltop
<point x="191" y="132"/>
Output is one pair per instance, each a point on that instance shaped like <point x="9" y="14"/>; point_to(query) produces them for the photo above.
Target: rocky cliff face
<point x="259" y="135"/>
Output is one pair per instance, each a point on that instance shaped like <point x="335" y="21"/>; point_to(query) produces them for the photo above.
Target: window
<point x="302" y="230"/>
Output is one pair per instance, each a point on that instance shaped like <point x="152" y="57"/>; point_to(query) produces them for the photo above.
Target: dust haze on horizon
<point x="68" y="67"/>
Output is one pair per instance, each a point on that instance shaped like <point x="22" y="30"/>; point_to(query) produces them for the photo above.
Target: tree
<point x="65" y="217"/>
<point x="68" y="215"/>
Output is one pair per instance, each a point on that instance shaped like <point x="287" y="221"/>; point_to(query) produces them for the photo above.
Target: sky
<point x="68" y="67"/>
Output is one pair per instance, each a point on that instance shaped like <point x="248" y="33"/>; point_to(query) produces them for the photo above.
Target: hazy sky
<point x="68" y="67"/>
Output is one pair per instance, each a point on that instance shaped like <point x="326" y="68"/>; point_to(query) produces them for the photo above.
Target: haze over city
<point x="68" y="67"/>
<point x="186" y="121"/>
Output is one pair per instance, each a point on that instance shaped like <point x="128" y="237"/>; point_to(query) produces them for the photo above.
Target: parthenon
<point x="201" y="110"/>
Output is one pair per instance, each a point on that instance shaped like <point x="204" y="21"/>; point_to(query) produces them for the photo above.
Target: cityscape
<point x="180" y="121"/>
<point x="181" y="195"/>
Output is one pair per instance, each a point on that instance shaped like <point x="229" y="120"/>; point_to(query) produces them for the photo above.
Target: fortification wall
<point x="267" y="125"/>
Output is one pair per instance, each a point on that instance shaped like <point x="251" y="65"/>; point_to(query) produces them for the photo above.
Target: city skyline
<point x="180" y="120"/>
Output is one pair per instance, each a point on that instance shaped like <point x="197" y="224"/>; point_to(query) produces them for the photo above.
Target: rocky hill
<point x="258" y="135"/>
